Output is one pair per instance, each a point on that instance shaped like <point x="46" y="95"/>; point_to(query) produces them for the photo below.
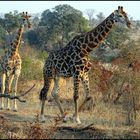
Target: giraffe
<point x="72" y="61"/>
<point x="10" y="65"/>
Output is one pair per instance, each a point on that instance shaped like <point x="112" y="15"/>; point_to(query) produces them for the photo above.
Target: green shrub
<point x="42" y="55"/>
<point x="31" y="69"/>
<point x="32" y="63"/>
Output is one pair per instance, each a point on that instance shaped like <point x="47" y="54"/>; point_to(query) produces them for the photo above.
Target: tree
<point x="118" y="36"/>
<point x="2" y="34"/>
<point x="35" y="22"/>
<point x="62" y="23"/>
<point x="90" y="13"/>
<point x="10" y="21"/>
<point x="100" y="17"/>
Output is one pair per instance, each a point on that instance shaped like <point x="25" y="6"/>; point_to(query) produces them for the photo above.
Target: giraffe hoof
<point x="78" y="122"/>
<point x="64" y="120"/>
<point x="89" y="98"/>
<point x="8" y="108"/>
<point x="42" y="119"/>
<point x="68" y="118"/>
<point x="1" y="108"/>
<point x="15" y="110"/>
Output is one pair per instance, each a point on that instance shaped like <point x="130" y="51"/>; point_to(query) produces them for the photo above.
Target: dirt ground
<point x="106" y="123"/>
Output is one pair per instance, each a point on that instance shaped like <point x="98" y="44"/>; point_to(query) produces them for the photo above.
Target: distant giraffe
<point x="10" y="64"/>
<point x="73" y="61"/>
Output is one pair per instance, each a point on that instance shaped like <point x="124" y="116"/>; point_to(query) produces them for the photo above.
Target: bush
<point x="32" y="63"/>
<point x="31" y="69"/>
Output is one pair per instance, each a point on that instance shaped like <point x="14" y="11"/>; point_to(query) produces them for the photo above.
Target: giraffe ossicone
<point x="73" y="61"/>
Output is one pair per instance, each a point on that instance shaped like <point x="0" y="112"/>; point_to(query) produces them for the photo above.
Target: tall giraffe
<point x="73" y="61"/>
<point x="10" y="64"/>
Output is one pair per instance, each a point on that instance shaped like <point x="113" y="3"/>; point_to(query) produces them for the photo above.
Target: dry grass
<point x="109" y="119"/>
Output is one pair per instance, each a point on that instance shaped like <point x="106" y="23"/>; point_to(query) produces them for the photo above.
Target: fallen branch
<point x="12" y="97"/>
<point x="88" y="127"/>
<point x="68" y="128"/>
<point x="17" y="97"/>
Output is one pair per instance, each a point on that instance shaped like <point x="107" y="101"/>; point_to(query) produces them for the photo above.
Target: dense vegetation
<point x="56" y="27"/>
<point x="52" y="30"/>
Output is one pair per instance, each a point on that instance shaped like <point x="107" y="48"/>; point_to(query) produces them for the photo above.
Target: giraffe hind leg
<point x="85" y="82"/>
<point x="43" y="96"/>
<point x="55" y="93"/>
<point x="2" y="90"/>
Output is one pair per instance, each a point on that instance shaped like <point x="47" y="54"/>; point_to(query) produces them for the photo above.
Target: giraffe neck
<point x="88" y="41"/>
<point x="16" y="43"/>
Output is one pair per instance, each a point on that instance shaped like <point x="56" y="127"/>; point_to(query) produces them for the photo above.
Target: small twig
<point x="27" y="91"/>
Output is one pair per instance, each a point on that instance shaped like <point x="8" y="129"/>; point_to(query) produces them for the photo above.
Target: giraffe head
<point x="25" y="19"/>
<point x="121" y="16"/>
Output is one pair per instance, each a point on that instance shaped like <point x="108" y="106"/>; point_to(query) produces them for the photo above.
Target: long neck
<point x="88" y="41"/>
<point x="16" y="43"/>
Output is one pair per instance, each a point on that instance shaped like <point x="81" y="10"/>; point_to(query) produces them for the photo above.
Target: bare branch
<point x="88" y="127"/>
<point x="11" y="97"/>
<point x="17" y="97"/>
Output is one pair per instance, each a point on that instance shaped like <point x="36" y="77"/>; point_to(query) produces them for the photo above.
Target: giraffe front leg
<point x="2" y="90"/>
<point x="7" y="90"/>
<point x="75" y="97"/>
<point x="42" y="118"/>
<point x="15" y="82"/>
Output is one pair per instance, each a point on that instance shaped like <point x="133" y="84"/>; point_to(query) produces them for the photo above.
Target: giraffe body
<point x="10" y="66"/>
<point x="73" y="61"/>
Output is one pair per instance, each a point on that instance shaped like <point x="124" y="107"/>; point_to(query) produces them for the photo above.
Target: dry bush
<point x="8" y="130"/>
<point x="3" y="127"/>
<point x="28" y="130"/>
<point x="119" y="88"/>
<point x="35" y="130"/>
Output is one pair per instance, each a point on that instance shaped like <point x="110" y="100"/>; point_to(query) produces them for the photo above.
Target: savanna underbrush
<point x="32" y="63"/>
